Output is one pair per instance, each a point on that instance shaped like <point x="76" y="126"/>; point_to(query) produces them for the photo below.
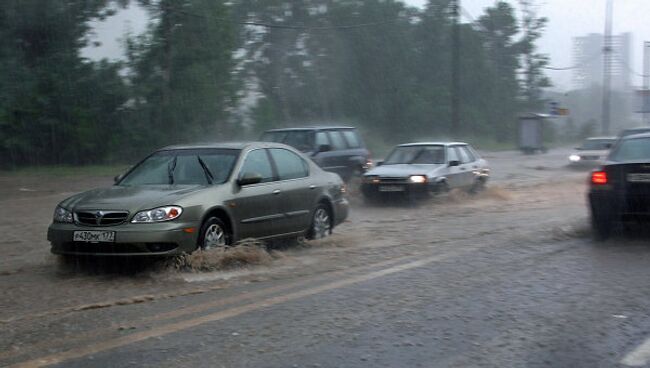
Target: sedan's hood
<point x="600" y="153"/>
<point x="404" y="170"/>
<point x="129" y="198"/>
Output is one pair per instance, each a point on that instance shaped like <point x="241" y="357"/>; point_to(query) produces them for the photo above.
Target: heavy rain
<point x="325" y="183"/>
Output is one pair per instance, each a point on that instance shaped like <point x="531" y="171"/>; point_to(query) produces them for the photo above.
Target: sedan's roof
<point x="634" y="136"/>
<point x="318" y="127"/>
<point x="599" y="138"/>
<point x="432" y="144"/>
<point x="224" y="145"/>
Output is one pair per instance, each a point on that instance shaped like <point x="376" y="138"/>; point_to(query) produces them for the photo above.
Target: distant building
<point x="588" y="57"/>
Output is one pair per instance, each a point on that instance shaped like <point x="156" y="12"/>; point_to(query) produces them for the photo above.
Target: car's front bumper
<point x="160" y="239"/>
<point x="398" y="188"/>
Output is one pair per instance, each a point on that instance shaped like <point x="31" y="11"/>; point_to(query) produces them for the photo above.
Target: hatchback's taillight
<point x="599" y="178"/>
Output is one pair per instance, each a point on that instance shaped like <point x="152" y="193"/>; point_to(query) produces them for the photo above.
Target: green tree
<point x="181" y="74"/>
<point x="55" y="107"/>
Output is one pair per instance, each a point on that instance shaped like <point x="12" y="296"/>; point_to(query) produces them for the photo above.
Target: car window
<point x="465" y="155"/>
<point x="352" y="138"/>
<point x="321" y="139"/>
<point x="182" y="167"/>
<point x="430" y="155"/>
<point x="288" y="164"/>
<point x="337" y="140"/>
<point x="258" y="162"/>
<point x="452" y="155"/>
<point x="302" y="140"/>
<point x="597" y="144"/>
<point x="632" y="150"/>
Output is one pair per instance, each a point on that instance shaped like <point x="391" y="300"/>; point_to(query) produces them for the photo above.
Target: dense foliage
<point x="211" y="70"/>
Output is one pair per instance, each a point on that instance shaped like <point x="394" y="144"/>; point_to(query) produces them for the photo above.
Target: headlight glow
<point x="371" y="179"/>
<point x="574" y="158"/>
<point x="418" y="179"/>
<point x="62" y="215"/>
<point x="159" y="214"/>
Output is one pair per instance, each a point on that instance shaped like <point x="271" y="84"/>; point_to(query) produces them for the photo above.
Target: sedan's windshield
<point x="637" y="149"/>
<point x="597" y="144"/>
<point x="427" y="155"/>
<point x="302" y="140"/>
<point x="184" y="167"/>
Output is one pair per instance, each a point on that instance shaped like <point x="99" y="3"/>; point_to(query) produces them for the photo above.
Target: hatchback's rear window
<point x="636" y="149"/>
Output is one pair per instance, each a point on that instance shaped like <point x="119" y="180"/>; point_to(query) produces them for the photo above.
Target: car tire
<point x="214" y="234"/>
<point x="321" y="223"/>
<point x="479" y="186"/>
<point x="442" y="188"/>
<point x="601" y="224"/>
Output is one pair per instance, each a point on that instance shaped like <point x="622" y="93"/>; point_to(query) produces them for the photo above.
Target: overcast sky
<point x="567" y="19"/>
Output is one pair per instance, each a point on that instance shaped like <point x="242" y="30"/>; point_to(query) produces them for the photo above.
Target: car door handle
<point x="463" y="169"/>
<point x="312" y="187"/>
<point x="277" y="191"/>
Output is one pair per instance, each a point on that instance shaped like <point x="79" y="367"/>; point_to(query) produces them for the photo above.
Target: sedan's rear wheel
<point x="321" y="224"/>
<point x="214" y="234"/>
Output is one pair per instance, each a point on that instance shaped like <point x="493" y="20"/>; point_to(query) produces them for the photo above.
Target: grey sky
<point x="567" y="19"/>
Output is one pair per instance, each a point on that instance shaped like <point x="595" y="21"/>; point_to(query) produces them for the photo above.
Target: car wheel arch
<point x="325" y="200"/>
<point x="222" y="214"/>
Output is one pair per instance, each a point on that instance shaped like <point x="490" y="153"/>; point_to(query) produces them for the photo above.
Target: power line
<point x="576" y="66"/>
<point x="286" y="26"/>
<point x="628" y="67"/>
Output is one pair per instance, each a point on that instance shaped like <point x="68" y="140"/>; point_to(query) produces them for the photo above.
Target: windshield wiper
<point x="208" y="174"/>
<point x="170" y="170"/>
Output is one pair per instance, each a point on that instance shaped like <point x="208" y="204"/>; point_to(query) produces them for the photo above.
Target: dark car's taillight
<point x="598" y="178"/>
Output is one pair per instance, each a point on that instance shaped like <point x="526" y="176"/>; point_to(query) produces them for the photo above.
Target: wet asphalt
<point x="513" y="279"/>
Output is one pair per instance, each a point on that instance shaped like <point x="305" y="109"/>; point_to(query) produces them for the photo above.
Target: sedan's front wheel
<point x="214" y="234"/>
<point x="321" y="223"/>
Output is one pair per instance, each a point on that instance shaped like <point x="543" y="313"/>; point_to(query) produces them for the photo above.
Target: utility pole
<point x="646" y="81"/>
<point x="455" y="68"/>
<point x="607" y="69"/>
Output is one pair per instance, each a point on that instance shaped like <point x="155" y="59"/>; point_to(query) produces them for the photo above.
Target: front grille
<point x="589" y="157"/>
<point x="391" y="180"/>
<point x="101" y="218"/>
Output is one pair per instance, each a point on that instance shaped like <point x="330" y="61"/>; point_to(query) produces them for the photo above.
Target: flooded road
<point x="508" y="277"/>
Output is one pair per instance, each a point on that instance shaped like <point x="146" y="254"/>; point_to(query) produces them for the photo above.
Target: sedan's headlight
<point x="418" y="179"/>
<point x="62" y="215"/>
<point x="574" y="158"/>
<point x="159" y="214"/>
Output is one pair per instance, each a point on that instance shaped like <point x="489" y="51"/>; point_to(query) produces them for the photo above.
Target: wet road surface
<point x="508" y="278"/>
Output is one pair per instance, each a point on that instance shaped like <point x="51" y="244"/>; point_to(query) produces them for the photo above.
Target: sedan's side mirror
<point x="379" y="163"/>
<point x="454" y="163"/>
<point x="249" y="178"/>
<point x="118" y="178"/>
<point x="324" y="148"/>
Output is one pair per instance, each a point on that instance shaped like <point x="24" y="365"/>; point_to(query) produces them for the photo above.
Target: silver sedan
<point x="417" y="169"/>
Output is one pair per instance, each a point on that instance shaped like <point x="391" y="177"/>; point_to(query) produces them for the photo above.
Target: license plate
<point x="638" y="178"/>
<point x="391" y="188"/>
<point x="94" y="236"/>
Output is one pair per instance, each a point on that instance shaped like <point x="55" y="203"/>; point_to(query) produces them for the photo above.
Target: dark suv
<point x="334" y="148"/>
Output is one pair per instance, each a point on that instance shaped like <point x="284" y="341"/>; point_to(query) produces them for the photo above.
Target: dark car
<point x="620" y="189"/>
<point x="633" y="131"/>
<point x="338" y="149"/>
<point x="183" y="198"/>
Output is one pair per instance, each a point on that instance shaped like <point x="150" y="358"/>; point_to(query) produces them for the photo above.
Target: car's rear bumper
<point x="613" y="205"/>
<point x="341" y="210"/>
<point x="163" y="239"/>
